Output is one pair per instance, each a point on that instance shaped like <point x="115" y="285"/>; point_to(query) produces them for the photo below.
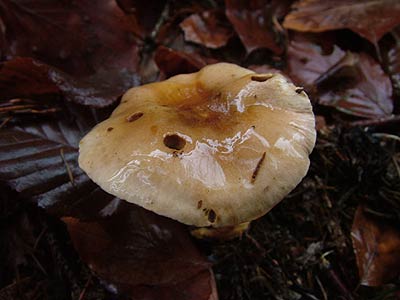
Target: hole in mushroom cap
<point x="174" y="141"/>
<point x="134" y="117"/>
<point x="261" y="77"/>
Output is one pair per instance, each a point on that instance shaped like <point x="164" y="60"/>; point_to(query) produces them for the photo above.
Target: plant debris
<point x="64" y="66"/>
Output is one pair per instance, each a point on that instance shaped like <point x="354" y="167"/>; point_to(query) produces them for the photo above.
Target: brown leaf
<point x="354" y="84"/>
<point x="392" y="61"/>
<point x="256" y="23"/>
<point x="25" y="77"/>
<point x="206" y="29"/>
<point x="376" y="245"/>
<point x="172" y="62"/>
<point x="77" y="40"/>
<point x="370" y="18"/>
<point x="145" y="254"/>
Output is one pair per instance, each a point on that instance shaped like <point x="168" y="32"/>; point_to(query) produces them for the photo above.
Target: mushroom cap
<point x="214" y="148"/>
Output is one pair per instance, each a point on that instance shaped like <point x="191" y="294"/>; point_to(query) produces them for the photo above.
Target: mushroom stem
<point x="222" y="233"/>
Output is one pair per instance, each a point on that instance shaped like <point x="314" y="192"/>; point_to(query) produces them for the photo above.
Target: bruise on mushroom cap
<point x="219" y="147"/>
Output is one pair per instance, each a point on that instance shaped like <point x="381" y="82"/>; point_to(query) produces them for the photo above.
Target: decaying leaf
<point x="25" y="77"/>
<point x="371" y="19"/>
<point x="143" y="254"/>
<point x="172" y="62"/>
<point x="102" y="58"/>
<point x="353" y="83"/>
<point x="392" y="61"/>
<point x="256" y="24"/>
<point x="206" y="29"/>
<point x="376" y="245"/>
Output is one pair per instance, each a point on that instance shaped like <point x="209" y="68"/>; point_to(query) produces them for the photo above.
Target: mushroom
<point x="212" y="149"/>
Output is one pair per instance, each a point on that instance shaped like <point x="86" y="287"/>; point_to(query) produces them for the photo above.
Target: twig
<point x="70" y="175"/>
<point x="82" y="294"/>
<point x="376" y="121"/>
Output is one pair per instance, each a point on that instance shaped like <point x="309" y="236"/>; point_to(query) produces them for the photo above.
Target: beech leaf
<point x="136" y="250"/>
<point x="353" y="83"/>
<point x="370" y="19"/>
<point x="153" y="259"/>
<point x="376" y="246"/>
<point x="256" y="24"/>
<point x="79" y="46"/>
<point x="206" y="29"/>
<point x="25" y="77"/>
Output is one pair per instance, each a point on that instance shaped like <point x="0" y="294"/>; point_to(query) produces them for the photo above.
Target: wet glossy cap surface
<point x="214" y="148"/>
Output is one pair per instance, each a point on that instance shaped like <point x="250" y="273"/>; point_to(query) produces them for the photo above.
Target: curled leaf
<point x="206" y="29"/>
<point x="353" y="83"/>
<point x="256" y="24"/>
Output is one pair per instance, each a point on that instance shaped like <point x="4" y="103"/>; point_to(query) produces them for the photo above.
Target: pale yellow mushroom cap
<point x="214" y="148"/>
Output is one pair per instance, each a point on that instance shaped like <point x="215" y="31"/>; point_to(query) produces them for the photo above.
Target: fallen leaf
<point x="172" y="62"/>
<point x="392" y="61"/>
<point x="79" y="45"/>
<point x="206" y="28"/>
<point x="256" y="23"/>
<point x="376" y="245"/>
<point x="370" y="18"/>
<point x="353" y="83"/>
<point x="26" y="78"/>
<point x="143" y="14"/>
<point x="40" y="163"/>
<point x="141" y="253"/>
<point x="126" y="245"/>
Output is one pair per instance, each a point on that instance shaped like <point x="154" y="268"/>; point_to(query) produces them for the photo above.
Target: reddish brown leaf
<point x="144" y="14"/>
<point x="376" y="245"/>
<point x="172" y="62"/>
<point x="25" y="77"/>
<point x="256" y="23"/>
<point x="206" y="29"/>
<point x="356" y="83"/>
<point x="392" y="61"/>
<point x="142" y="253"/>
<point x="75" y="39"/>
<point x="370" y="18"/>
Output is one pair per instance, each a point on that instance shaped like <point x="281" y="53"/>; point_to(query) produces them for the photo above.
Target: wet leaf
<point x="128" y="246"/>
<point x="371" y="19"/>
<point x="376" y="244"/>
<point x="353" y="83"/>
<point x="392" y="61"/>
<point x="206" y="28"/>
<point x="256" y="23"/>
<point x="144" y="254"/>
<point x="143" y="14"/>
<point x="25" y="77"/>
<point x="172" y="62"/>
<point x="85" y="53"/>
<point x="40" y="163"/>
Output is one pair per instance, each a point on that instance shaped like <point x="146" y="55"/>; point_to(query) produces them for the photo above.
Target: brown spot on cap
<point x="257" y="169"/>
<point x="110" y="128"/>
<point x="211" y="216"/>
<point x="134" y="117"/>
<point x="199" y="204"/>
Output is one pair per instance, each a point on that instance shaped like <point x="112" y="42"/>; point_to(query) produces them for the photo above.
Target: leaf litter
<point x="51" y="94"/>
